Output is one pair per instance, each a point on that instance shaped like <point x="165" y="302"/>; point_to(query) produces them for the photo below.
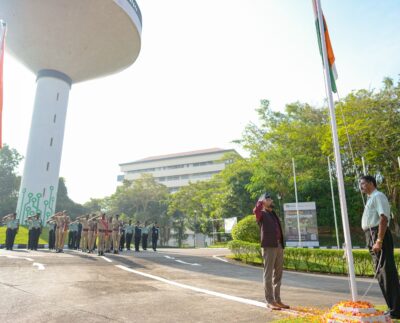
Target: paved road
<point x="171" y="285"/>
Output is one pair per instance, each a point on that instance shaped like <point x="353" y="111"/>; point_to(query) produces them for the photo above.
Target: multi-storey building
<point x="177" y="170"/>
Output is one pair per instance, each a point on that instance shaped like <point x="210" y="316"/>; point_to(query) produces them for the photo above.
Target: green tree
<point x="9" y="181"/>
<point x="65" y="203"/>
<point x="144" y="199"/>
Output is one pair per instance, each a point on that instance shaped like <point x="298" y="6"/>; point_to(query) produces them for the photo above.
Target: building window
<point x="58" y="96"/>
<point x="48" y="166"/>
<point x="51" y="141"/>
<point x="44" y="192"/>
<point x="54" y="118"/>
<point x="203" y="163"/>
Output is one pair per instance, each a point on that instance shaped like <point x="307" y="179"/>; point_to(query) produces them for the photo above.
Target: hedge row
<point x="310" y="260"/>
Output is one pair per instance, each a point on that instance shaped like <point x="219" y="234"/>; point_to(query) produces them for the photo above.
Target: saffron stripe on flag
<point x="331" y="57"/>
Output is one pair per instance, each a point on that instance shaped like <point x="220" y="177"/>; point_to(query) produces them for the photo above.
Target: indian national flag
<point x="2" y="43"/>
<point x="329" y="50"/>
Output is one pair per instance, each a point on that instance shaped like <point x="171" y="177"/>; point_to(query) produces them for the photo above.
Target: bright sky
<point x="203" y="68"/>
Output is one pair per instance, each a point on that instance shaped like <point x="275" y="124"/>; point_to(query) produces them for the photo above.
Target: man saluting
<point x="272" y="247"/>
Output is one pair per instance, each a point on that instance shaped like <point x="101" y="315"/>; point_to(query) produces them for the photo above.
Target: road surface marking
<point x="169" y="257"/>
<point x="218" y="257"/>
<point x="196" y="289"/>
<point x="17" y="257"/>
<point x="186" y="263"/>
<point x="106" y="259"/>
<point x="40" y="266"/>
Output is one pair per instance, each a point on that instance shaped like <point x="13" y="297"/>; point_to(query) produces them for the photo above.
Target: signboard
<point x="229" y="223"/>
<point x="308" y="224"/>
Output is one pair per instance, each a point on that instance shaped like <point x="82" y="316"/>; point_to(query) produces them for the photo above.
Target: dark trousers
<point x="386" y="269"/>
<point x="78" y="240"/>
<point x="154" y="243"/>
<point x="137" y="242"/>
<point x="52" y="239"/>
<point x="72" y="239"/>
<point x="144" y="241"/>
<point x="35" y="238"/>
<point x="10" y="236"/>
<point x="128" y="240"/>
<point x="122" y="242"/>
<point x="30" y="242"/>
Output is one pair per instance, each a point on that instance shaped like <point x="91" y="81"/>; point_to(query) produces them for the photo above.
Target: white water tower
<point x="63" y="42"/>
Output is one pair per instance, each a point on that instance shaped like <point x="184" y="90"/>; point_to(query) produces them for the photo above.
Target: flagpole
<point x="333" y="204"/>
<point x="338" y="160"/>
<point x="363" y="165"/>
<point x="3" y="29"/>
<point x="297" y="202"/>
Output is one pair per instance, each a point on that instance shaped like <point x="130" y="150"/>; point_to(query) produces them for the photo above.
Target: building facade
<point x="177" y="170"/>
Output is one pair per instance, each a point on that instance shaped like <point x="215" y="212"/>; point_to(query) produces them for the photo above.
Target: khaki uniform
<point x="116" y="234"/>
<point x="92" y="235"/>
<point x="62" y="229"/>
<point x="85" y="233"/>
<point x="102" y="232"/>
<point x="108" y="236"/>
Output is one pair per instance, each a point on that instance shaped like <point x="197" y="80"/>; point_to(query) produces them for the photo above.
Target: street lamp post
<point x="195" y="228"/>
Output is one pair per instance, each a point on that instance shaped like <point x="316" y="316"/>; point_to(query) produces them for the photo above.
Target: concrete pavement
<point x="172" y="285"/>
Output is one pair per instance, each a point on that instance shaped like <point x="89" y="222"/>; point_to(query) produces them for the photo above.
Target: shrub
<point x="247" y="230"/>
<point x="311" y="260"/>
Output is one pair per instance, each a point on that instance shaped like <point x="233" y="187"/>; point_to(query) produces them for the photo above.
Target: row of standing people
<point x="111" y="233"/>
<point x="34" y="227"/>
<point x="88" y="232"/>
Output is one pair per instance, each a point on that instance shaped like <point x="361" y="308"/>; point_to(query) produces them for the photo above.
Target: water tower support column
<point x="39" y="184"/>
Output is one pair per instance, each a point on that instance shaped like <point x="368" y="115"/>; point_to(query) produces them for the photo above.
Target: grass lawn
<point x="22" y="236"/>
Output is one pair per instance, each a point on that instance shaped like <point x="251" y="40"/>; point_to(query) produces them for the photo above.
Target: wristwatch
<point x="379" y="241"/>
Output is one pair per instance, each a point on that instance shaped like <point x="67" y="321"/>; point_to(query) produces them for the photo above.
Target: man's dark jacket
<point x="267" y="223"/>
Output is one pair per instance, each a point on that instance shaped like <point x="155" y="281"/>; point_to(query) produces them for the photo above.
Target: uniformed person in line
<point x="138" y="235"/>
<point x="62" y="220"/>
<point x="36" y="230"/>
<point x="129" y="228"/>
<point x="73" y="231"/>
<point x="108" y="235"/>
<point x="155" y="231"/>
<point x="52" y="234"/>
<point x="92" y="232"/>
<point x="122" y="234"/>
<point x="12" y="229"/>
<point x="116" y="234"/>
<point x="30" y="232"/>
<point x="102" y="231"/>
<point x="84" y="222"/>
<point x="78" y="236"/>
<point x="145" y="235"/>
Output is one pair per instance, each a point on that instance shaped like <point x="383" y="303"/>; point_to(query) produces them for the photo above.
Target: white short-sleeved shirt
<point x="376" y="205"/>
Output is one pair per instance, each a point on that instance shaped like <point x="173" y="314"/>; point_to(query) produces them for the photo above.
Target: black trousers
<point x="128" y="240"/>
<point x="78" y="240"/>
<point x="52" y="239"/>
<point x="144" y="241"/>
<point x="386" y="269"/>
<point x="154" y="242"/>
<point x="72" y="235"/>
<point x="10" y="236"/>
<point x="30" y="239"/>
<point x="122" y="242"/>
<point x="35" y="238"/>
<point x="137" y="243"/>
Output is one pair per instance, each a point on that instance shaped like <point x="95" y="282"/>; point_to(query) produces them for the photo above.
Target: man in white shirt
<point x="375" y="223"/>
